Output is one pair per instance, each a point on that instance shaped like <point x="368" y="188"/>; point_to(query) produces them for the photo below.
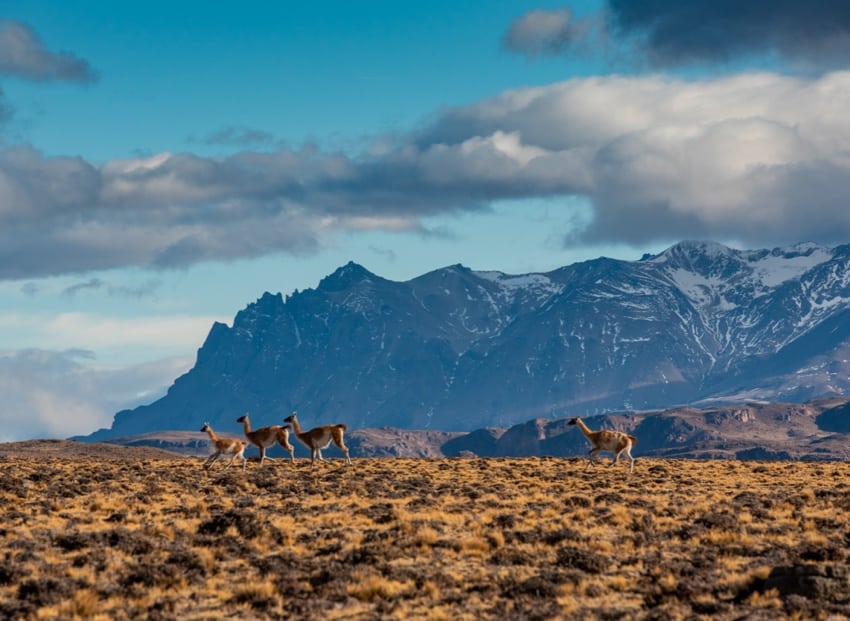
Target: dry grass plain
<point x="529" y="538"/>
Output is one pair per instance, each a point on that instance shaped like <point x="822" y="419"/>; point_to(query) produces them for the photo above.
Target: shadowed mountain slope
<point x="459" y="350"/>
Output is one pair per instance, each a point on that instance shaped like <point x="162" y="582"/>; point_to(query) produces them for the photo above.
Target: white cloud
<point x="741" y="156"/>
<point x="161" y="335"/>
<point x="50" y="394"/>
<point x="758" y="157"/>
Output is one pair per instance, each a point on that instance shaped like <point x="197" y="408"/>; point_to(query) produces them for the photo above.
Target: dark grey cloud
<point x="757" y="157"/>
<point x="23" y="54"/>
<point x="677" y="32"/>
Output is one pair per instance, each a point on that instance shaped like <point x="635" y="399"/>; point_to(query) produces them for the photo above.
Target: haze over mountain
<point x="457" y="349"/>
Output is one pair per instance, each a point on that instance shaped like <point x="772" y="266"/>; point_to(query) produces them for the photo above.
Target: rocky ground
<point x="154" y="536"/>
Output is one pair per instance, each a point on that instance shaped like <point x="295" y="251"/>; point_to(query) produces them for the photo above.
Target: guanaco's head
<point x="206" y="427"/>
<point x="573" y="421"/>
<point x="290" y="418"/>
<point x="242" y="418"/>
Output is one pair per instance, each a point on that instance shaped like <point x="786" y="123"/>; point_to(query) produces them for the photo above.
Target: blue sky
<point x="164" y="164"/>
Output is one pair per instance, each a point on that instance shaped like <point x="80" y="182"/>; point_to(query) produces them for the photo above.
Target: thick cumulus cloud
<point x="676" y="32"/>
<point x="760" y="158"/>
<point x="23" y="54"/>
<point x="756" y="157"/>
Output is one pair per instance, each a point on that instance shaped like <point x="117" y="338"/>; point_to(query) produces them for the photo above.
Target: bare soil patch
<point x="93" y="537"/>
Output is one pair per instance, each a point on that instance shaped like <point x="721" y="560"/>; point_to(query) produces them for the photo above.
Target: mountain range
<point x="458" y="350"/>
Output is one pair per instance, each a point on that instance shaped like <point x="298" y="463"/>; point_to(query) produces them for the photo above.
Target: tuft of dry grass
<point x="429" y="539"/>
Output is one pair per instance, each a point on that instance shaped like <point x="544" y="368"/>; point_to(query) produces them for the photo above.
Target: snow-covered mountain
<point x="456" y="349"/>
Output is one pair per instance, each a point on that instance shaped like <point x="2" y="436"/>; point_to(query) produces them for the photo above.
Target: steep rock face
<point x="456" y="349"/>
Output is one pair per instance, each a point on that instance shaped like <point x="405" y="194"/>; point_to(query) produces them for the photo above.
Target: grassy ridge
<point x="422" y="539"/>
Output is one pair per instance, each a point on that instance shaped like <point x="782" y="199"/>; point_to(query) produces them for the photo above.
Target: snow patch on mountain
<point x="720" y="279"/>
<point x="776" y="268"/>
<point x="701" y="290"/>
<point x="540" y="284"/>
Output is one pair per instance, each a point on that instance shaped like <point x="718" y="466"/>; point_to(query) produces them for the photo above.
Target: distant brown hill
<point x="816" y="430"/>
<point x="69" y="449"/>
<point x="764" y="431"/>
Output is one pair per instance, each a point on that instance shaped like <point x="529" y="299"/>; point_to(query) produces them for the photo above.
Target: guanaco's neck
<point x="584" y="429"/>
<point x="295" y="426"/>
<point x="247" y="425"/>
<point x="213" y="437"/>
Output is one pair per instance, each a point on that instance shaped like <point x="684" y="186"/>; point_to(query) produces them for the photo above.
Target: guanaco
<point x="607" y="440"/>
<point x="226" y="446"/>
<point x="320" y="438"/>
<point x="264" y="437"/>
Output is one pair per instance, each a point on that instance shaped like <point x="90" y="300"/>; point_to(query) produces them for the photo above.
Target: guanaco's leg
<point x="344" y="449"/>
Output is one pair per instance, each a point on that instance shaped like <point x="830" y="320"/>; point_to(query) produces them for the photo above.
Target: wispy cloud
<point x="145" y="289"/>
<point x="88" y="331"/>
<point x="239" y="137"/>
<point x="23" y="54"/>
<point x="56" y="394"/>
<point x="92" y="284"/>
<point x="386" y="254"/>
<point x="30" y="289"/>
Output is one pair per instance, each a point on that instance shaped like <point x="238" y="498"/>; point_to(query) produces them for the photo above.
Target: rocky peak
<point x="346" y="276"/>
